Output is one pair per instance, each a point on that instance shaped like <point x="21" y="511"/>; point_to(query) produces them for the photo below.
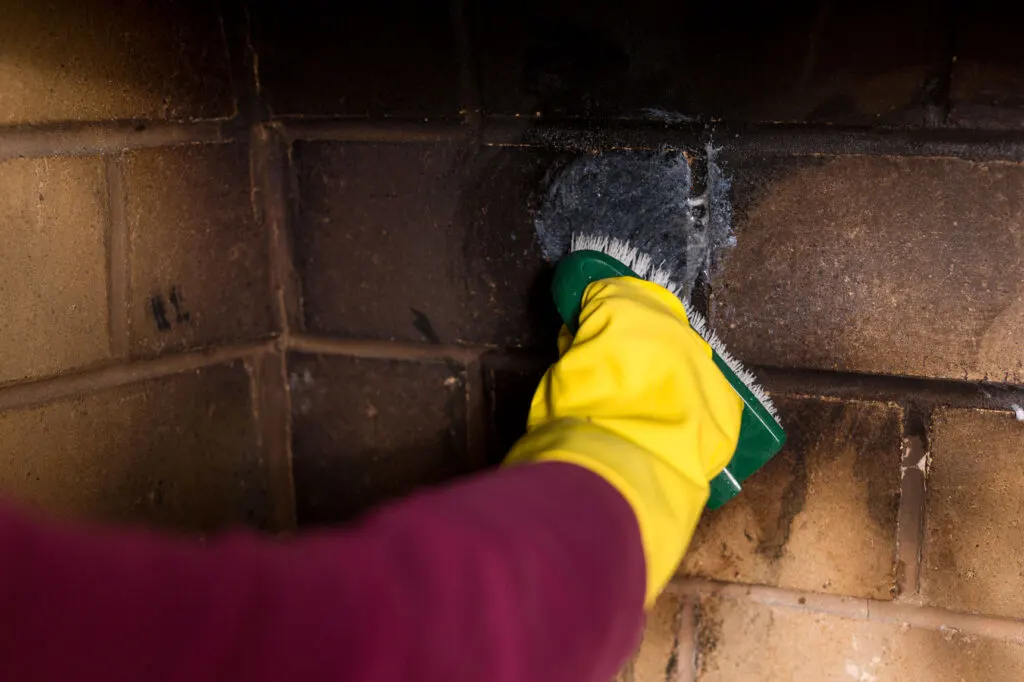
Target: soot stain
<point x="423" y="325"/>
<point x="160" y="311"/>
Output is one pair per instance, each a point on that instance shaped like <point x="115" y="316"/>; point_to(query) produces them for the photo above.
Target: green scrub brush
<point x="595" y="257"/>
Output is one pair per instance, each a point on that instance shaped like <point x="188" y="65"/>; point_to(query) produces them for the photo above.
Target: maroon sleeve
<point x="530" y="573"/>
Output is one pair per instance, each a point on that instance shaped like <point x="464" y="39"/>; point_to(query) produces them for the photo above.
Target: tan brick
<point x="194" y="241"/>
<point x="745" y="641"/>
<point x="181" y="451"/>
<point x="94" y="59"/>
<point x="657" y="659"/>
<point x="869" y="264"/>
<point x="53" y="269"/>
<point x="973" y="555"/>
<point x="821" y="516"/>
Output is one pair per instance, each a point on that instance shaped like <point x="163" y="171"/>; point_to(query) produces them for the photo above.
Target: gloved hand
<point x="637" y="399"/>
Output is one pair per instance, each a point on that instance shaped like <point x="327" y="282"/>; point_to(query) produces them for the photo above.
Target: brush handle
<point x="572" y="276"/>
<point x="761" y="436"/>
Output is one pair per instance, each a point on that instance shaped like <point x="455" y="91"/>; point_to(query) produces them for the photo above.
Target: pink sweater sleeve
<point x="531" y="573"/>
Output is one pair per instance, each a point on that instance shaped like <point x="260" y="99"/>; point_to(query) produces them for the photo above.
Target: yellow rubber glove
<point x="637" y="399"/>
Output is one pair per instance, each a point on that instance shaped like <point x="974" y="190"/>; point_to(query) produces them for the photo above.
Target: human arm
<point x="526" y="573"/>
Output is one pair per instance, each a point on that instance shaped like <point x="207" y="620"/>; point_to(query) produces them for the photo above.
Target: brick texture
<point x="181" y="451"/>
<point x="892" y="79"/>
<point x="95" y="59"/>
<point x="657" y="658"/>
<point x="406" y="52"/>
<point x="988" y="74"/>
<point x="509" y="392"/>
<point x="578" y="59"/>
<point x="744" y="641"/>
<point x="199" y="271"/>
<point x="974" y="549"/>
<point x="421" y="243"/>
<point x="365" y="431"/>
<point x="53" y="267"/>
<point x="866" y="264"/>
<point x="821" y="516"/>
<point x="805" y="61"/>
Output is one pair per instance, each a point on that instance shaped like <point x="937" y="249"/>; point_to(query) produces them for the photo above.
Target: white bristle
<point x="700" y="325"/>
<point x="641" y="264"/>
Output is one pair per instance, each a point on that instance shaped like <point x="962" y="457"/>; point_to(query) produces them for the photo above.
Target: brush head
<point x="643" y="198"/>
<point x="636" y="263"/>
<point x="636" y="214"/>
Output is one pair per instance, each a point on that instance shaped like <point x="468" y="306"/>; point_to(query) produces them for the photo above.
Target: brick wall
<point x="271" y="267"/>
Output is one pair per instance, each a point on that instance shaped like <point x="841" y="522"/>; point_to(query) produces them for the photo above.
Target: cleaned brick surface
<point x="421" y="242"/>
<point x="365" y="431"/>
<point x="802" y="61"/>
<point x="394" y="57"/>
<point x="745" y="641"/>
<point x="53" y="266"/>
<point x="973" y="556"/>
<point x="198" y="257"/>
<point x="179" y="451"/>
<point x="821" y="516"/>
<point x="96" y="59"/>
<point x="869" y="264"/>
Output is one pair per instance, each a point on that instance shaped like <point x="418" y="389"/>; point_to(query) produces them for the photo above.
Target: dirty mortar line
<point x="534" y="133"/>
<point x="111" y="376"/>
<point x="936" y="96"/>
<point x="240" y="53"/>
<point x="313" y="130"/>
<point x="932" y="618"/>
<point x="738" y="141"/>
<point x="269" y="183"/>
<point x="385" y="350"/>
<point x="117" y="257"/>
<point x="910" y="515"/>
<point x="269" y="172"/>
<point x="813" y="42"/>
<point x="888" y="388"/>
<point x="849" y="607"/>
<point x="257" y="86"/>
<point x="757" y="140"/>
<point x="469" y="90"/>
<point x="925" y="617"/>
<point x="286" y="501"/>
<point x="77" y="139"/>
<point x="686" y="642"/>
<point x="476" y="414"/>
<point x="270" y="398"/>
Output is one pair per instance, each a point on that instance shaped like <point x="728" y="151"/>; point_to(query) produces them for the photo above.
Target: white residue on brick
<point x="1018" y="412"/>
<point x="298" y="381"/>
<point x="665" y="116"/>
<point x="914" y="446"/>
<point x="860" y="674"/>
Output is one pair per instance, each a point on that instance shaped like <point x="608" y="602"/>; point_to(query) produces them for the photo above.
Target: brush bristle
<point x="630" y="256"/>
<point x="640" y="263"/>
